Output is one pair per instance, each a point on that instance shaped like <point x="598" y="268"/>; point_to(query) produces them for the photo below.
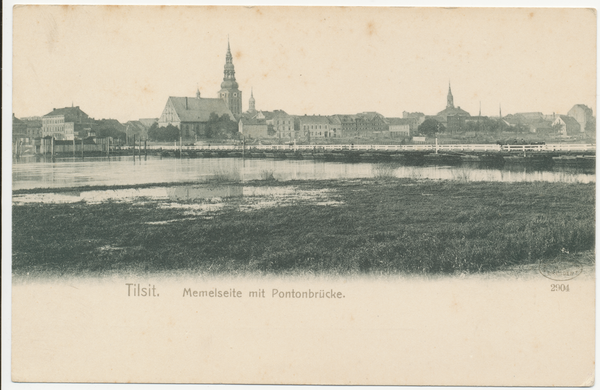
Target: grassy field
<point x="382" y="226"/>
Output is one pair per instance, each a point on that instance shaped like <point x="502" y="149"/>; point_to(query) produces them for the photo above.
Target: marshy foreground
<point x="351" y="227"/>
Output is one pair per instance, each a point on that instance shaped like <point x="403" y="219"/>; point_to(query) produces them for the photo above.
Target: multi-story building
<point x="399" y="127"/>
<point x="347" y="125"/>
<point x="253" y="128"/>
<point x="317" y="126"/>
<point x="62" y="123"/>
<point x="283" y="124"/>
<point x="369" y="124"/>
<point x="415" y="118"/>
<point x="582" y="114"/>
<point x="19" y="127"/>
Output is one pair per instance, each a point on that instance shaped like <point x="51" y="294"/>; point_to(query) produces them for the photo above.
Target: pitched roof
<point x="136" y="126"/>
<point x="148" y="122"/>
<point x="569" y="121"/>
<point x="407" y="114"/>
<point x="530" y="115"/>
<point x="198" y="109"/>
<point x="68" y="112"/>
<point x="270" y="114"/>
<point x="452" y="111"/>
<point x="109" y="122"/>
<point x="398" y="121"/>
<point x="253" y="121"/>
<point x="314" y="119"/>
<point x="369" y="115"/>
<point x="335" y="119"/>
<point x="346" y="118"/>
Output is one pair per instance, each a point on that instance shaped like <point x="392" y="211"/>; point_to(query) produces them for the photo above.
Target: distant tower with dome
<point x="252" y="102"/>
<point x="229" y="92"/>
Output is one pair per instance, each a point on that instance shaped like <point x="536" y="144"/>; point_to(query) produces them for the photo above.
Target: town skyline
<point x="306" y="67"/>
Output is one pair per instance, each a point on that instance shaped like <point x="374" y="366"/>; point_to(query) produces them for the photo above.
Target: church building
<point x="190" y="114"/>
<point x="450" y="109"/>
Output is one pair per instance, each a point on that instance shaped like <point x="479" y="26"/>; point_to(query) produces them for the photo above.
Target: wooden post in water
<point x="107" y="146"/>
<point x="134" y="148"/>
<point x="145" y="148"/>
<point x="73" y="147"/>
<point x="82" y="148"/>
<point x="52" y="147"/>
<point x="180" y="145"/>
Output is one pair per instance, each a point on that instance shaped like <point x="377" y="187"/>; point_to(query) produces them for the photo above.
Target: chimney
<point x="186" y="103"/>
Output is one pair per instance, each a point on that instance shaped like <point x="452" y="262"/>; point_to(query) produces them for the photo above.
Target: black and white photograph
<point x="294" y="195"/>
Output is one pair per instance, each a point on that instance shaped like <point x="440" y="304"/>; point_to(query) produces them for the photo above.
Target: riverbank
<point x="352" y="227"/>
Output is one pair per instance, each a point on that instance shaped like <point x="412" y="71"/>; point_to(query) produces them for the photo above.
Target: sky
<point x="124" y="62"/>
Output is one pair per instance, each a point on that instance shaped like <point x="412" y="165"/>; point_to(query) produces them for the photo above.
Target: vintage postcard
<point x="303" y="195"/>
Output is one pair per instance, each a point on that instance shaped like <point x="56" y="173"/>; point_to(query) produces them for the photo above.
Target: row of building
<point x="192" y="114"/>
<point x="69" y="123"/>
<point x="578" y="120"/>
<point x="279" y="124"/>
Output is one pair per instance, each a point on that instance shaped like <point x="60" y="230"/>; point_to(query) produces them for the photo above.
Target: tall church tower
<point x="450" y="99"/>
<point x="229" y="87"/>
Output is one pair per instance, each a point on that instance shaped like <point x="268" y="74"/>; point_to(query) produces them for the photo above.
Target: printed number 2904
<point x="559" y="287"/>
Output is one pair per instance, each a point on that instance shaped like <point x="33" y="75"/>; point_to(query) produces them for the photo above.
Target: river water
<point x="74" y="172"/>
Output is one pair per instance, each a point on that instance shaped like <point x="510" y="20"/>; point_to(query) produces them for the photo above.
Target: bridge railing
<point x="471" y="147"/>
<point x="523" y="148"/>
<point x="571" y="147"/>
<point x="419" y="147"/>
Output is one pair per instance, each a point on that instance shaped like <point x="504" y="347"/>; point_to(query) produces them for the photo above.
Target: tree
<point x="430" y="127"/>
<point x="221" y="127"/>
<point x="557" y="128"/>
<point x="163" y="134"/>
<point x="153" y="131"/>
<point x="492" y="125"/>
<point x="109" y="128"/>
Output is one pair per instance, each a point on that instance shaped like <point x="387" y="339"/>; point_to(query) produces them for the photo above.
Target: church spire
<point x="230" y="92"/>
<point x="228" y="50"/>
<point x="229" y="71"/>
<point x="450" y="99"/>
<point x="252" y="102"/>
<point x="500" y="110"/>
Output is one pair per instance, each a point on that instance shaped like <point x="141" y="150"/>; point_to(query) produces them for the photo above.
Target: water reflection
<point x="120" y="171"/>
